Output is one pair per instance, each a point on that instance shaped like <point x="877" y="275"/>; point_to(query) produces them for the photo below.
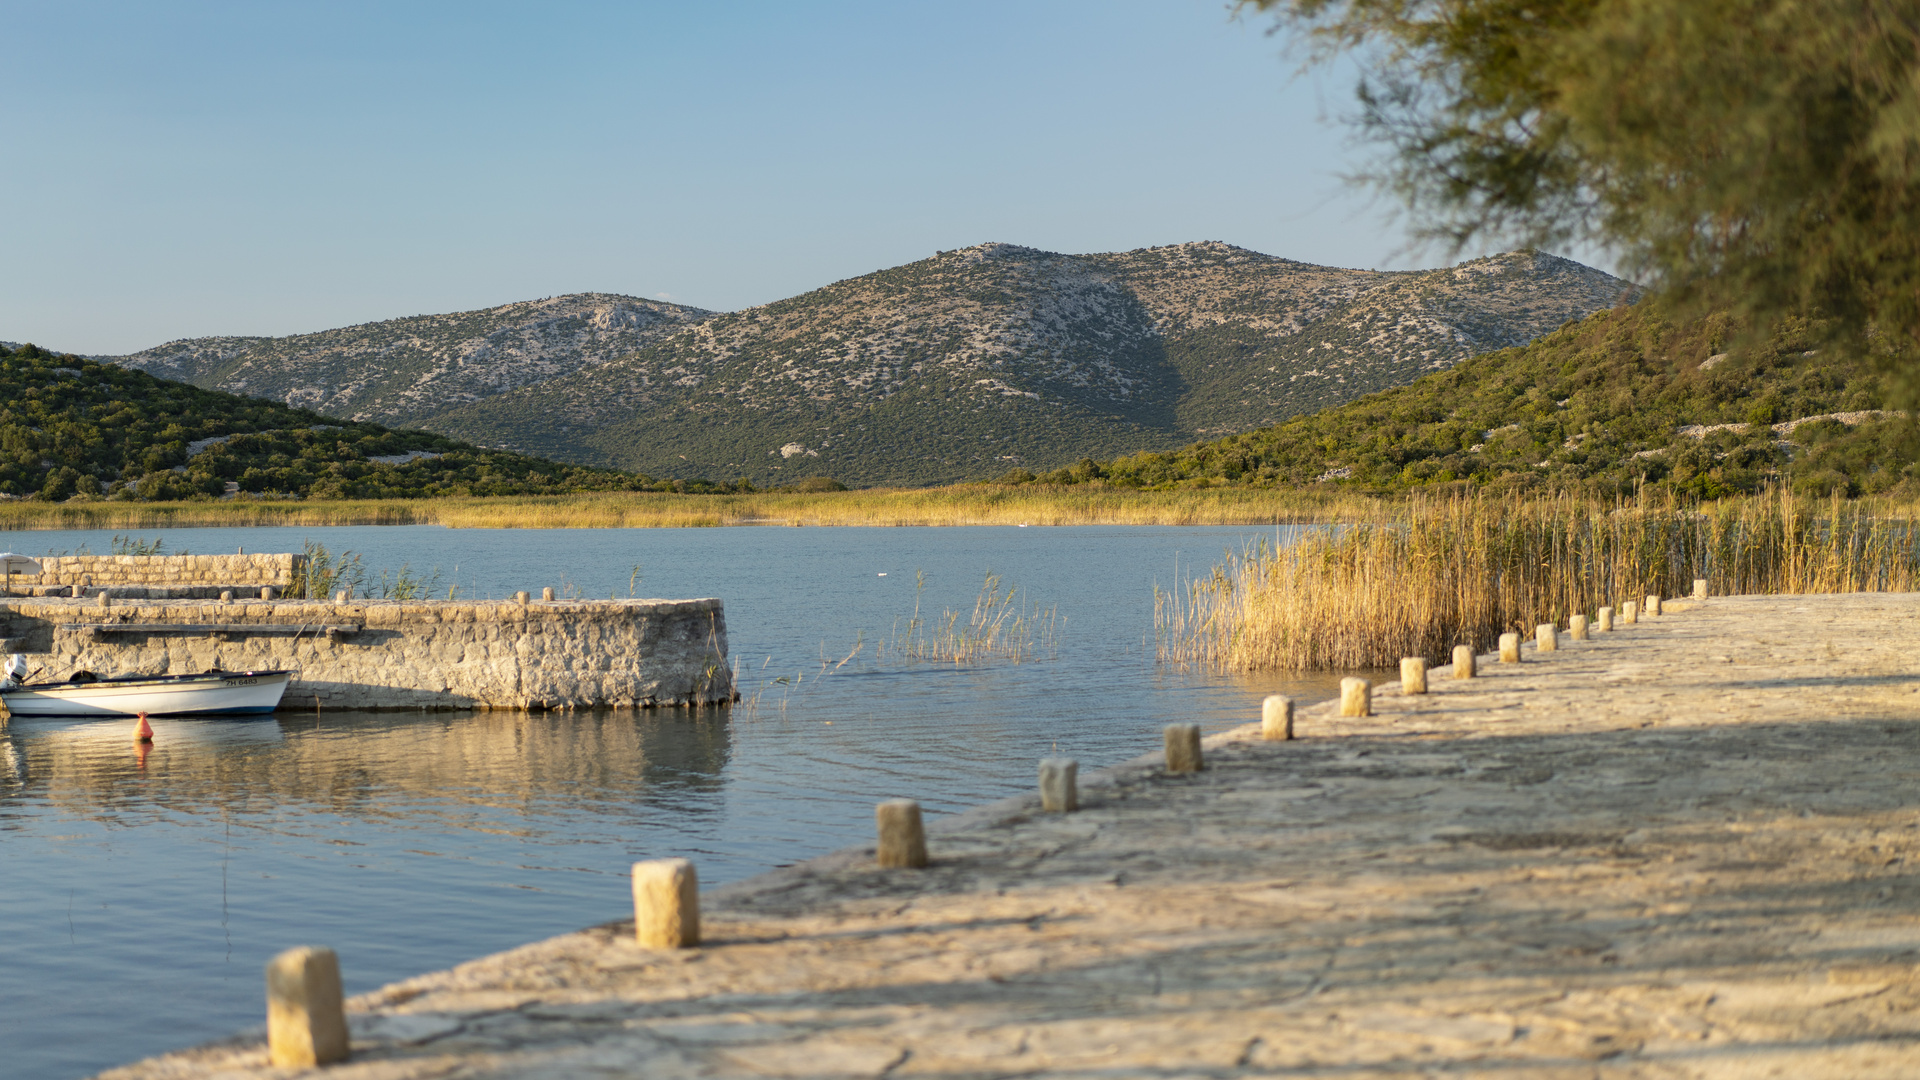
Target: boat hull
<point x="227" y="693"/>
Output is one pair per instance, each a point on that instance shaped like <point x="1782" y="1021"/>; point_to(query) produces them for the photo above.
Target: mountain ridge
<point x="959" y="366"/>
<point x="400" y="371"/>
<point x="1028" y="357"/>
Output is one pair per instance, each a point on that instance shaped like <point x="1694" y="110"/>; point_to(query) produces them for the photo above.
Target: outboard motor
<point x="16" y="669"/>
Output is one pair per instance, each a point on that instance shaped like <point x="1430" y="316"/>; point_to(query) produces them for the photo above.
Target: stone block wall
<point x="279" y="571"/>
<point x="382" y="654"/>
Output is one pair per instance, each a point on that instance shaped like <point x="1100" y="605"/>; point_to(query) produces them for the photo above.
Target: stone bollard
<point x="1653" y="604"/>
<point x="1699" y="588"/>
<point x="1413" y="675"/>
<point x="1059" y="785"/>
<point x="1606" y="619"/>
<point x="524" y="597"/>
<point x="1276" y="718"/>
<point x="340" y="597"/>
<point x="226" y="596"/>
<point x="1463" y="662"/>
<point x="666" y="904"/>
<point x="1183" y="748"/>
<point x="74" y="592"/>
<point x="1509" y="648"/>
<point x="306" y="1014"/>
<point x="1546" y="637"/>
<point x="1630" y="612"/>
<point x="903" y="841"/>
<point x="1356" y="697"/>
<point x="546" y="594"/>
<point x="266" y="593"/>
<point x="105" y="600"/>
<point x="1576" y="627"/>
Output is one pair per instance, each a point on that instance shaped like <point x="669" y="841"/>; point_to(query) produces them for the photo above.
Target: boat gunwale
<point x="139" y="681"/>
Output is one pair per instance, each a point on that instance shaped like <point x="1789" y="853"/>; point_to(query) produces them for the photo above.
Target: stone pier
<point x="1689" y="847"/>
<point x="392" y="654"/>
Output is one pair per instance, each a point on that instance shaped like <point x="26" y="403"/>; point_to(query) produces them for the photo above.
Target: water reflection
<point x="372" y="765"/>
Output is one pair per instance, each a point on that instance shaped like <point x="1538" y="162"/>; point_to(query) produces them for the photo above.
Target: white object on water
<point x="216" y="693"/>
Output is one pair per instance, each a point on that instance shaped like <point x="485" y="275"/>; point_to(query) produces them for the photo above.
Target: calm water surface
<point x="140" y="899"/>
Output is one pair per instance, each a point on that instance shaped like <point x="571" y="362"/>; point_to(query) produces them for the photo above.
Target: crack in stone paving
<point x="1686" y="848"/>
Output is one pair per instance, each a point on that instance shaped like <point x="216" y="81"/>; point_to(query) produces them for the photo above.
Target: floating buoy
<point x="143" y="731"/>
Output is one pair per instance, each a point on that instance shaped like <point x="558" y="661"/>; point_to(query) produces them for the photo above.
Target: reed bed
<point x="1001" y="627"/>
<point x="962" y="504"/>
<point x="1465" y="570"/>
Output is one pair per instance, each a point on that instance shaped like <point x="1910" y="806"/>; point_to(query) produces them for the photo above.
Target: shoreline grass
<point x="957" y="505"/>
<point x="1464" y="570"/>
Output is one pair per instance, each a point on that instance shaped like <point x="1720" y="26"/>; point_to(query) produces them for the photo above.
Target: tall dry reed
<point x="1465" y="570"/>
<point x="960" y="504"/>
<point x="1002" y="627"/>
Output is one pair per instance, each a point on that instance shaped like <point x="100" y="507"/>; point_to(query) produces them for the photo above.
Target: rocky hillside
<point x="994" y="357"/>
<point x="1622" y="401"/>
<point x="402" y="371"/>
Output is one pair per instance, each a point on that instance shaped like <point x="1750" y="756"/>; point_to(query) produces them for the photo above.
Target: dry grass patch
<point x="1465" y="570"/>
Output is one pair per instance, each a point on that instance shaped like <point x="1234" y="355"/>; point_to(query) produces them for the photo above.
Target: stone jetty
<point x="1686" y="847"/>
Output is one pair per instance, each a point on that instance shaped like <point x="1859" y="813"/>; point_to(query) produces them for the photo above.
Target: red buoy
<point x="143" y="731"/>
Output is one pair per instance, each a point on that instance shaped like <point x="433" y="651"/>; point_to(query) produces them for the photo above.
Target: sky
<point x="192" y="168"/>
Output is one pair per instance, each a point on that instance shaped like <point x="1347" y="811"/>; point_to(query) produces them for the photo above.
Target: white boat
<point x="215" y="693"/>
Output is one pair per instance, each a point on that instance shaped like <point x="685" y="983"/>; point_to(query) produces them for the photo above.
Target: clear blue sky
<point x="190" y="168"/>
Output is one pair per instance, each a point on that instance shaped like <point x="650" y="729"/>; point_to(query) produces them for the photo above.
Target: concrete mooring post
<point x="1413" y="675"/>
<point x="1606" y="619"/>
<point x="1509" y="648"/>
<point x="1699" y="588"/>
<point x="1577" y="627"/>
<point x="1630" y="612"/>
<point x="666" y="904"/>
<point x="546" y="594"/>
<point x="1463" y="662"/>
<point x="1059" y="785"/>
<point x="903" y="840"/>
<point x="266" y="592"/>
<point x="1653" y="604"/>
<point x="1356" y="697"/>
<point x="306" y="1013"/>
<point x="1546" y="637"/>
<point x="1276" y="718"/>
<point x="1183" y="748"/>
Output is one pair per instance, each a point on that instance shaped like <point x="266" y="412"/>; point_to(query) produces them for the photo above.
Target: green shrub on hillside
<point x="1600" y="407"/>
<point x="71" y="427"/>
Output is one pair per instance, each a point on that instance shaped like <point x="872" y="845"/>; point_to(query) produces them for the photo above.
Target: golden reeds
<point x="960" y="504"/>
<point x="1001" y="627"/>
<point x="1465" y="570"/>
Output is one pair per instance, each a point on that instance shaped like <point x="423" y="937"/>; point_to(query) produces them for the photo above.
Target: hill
<point x="401" y="371"/>
<point x="75" y="427"/>
<point x="997" y="356"/>
<point x="1624" y="398"/>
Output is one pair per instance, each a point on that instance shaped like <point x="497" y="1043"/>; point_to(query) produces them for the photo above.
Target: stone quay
<point x="394" y="654"/>
<point x="181" y="614"/>
<point x="1685" y="847"/>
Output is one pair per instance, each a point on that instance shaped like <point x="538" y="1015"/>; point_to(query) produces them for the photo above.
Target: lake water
<point x="141" y="898"/>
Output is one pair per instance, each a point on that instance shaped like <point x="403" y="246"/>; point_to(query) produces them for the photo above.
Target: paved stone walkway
<point x="1689" y="848"/>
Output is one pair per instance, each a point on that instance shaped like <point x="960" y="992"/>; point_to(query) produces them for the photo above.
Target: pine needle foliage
<point x="1760" y="155"/>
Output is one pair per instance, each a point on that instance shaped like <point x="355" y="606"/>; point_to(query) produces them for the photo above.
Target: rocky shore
<point x="1687" y="848"/>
